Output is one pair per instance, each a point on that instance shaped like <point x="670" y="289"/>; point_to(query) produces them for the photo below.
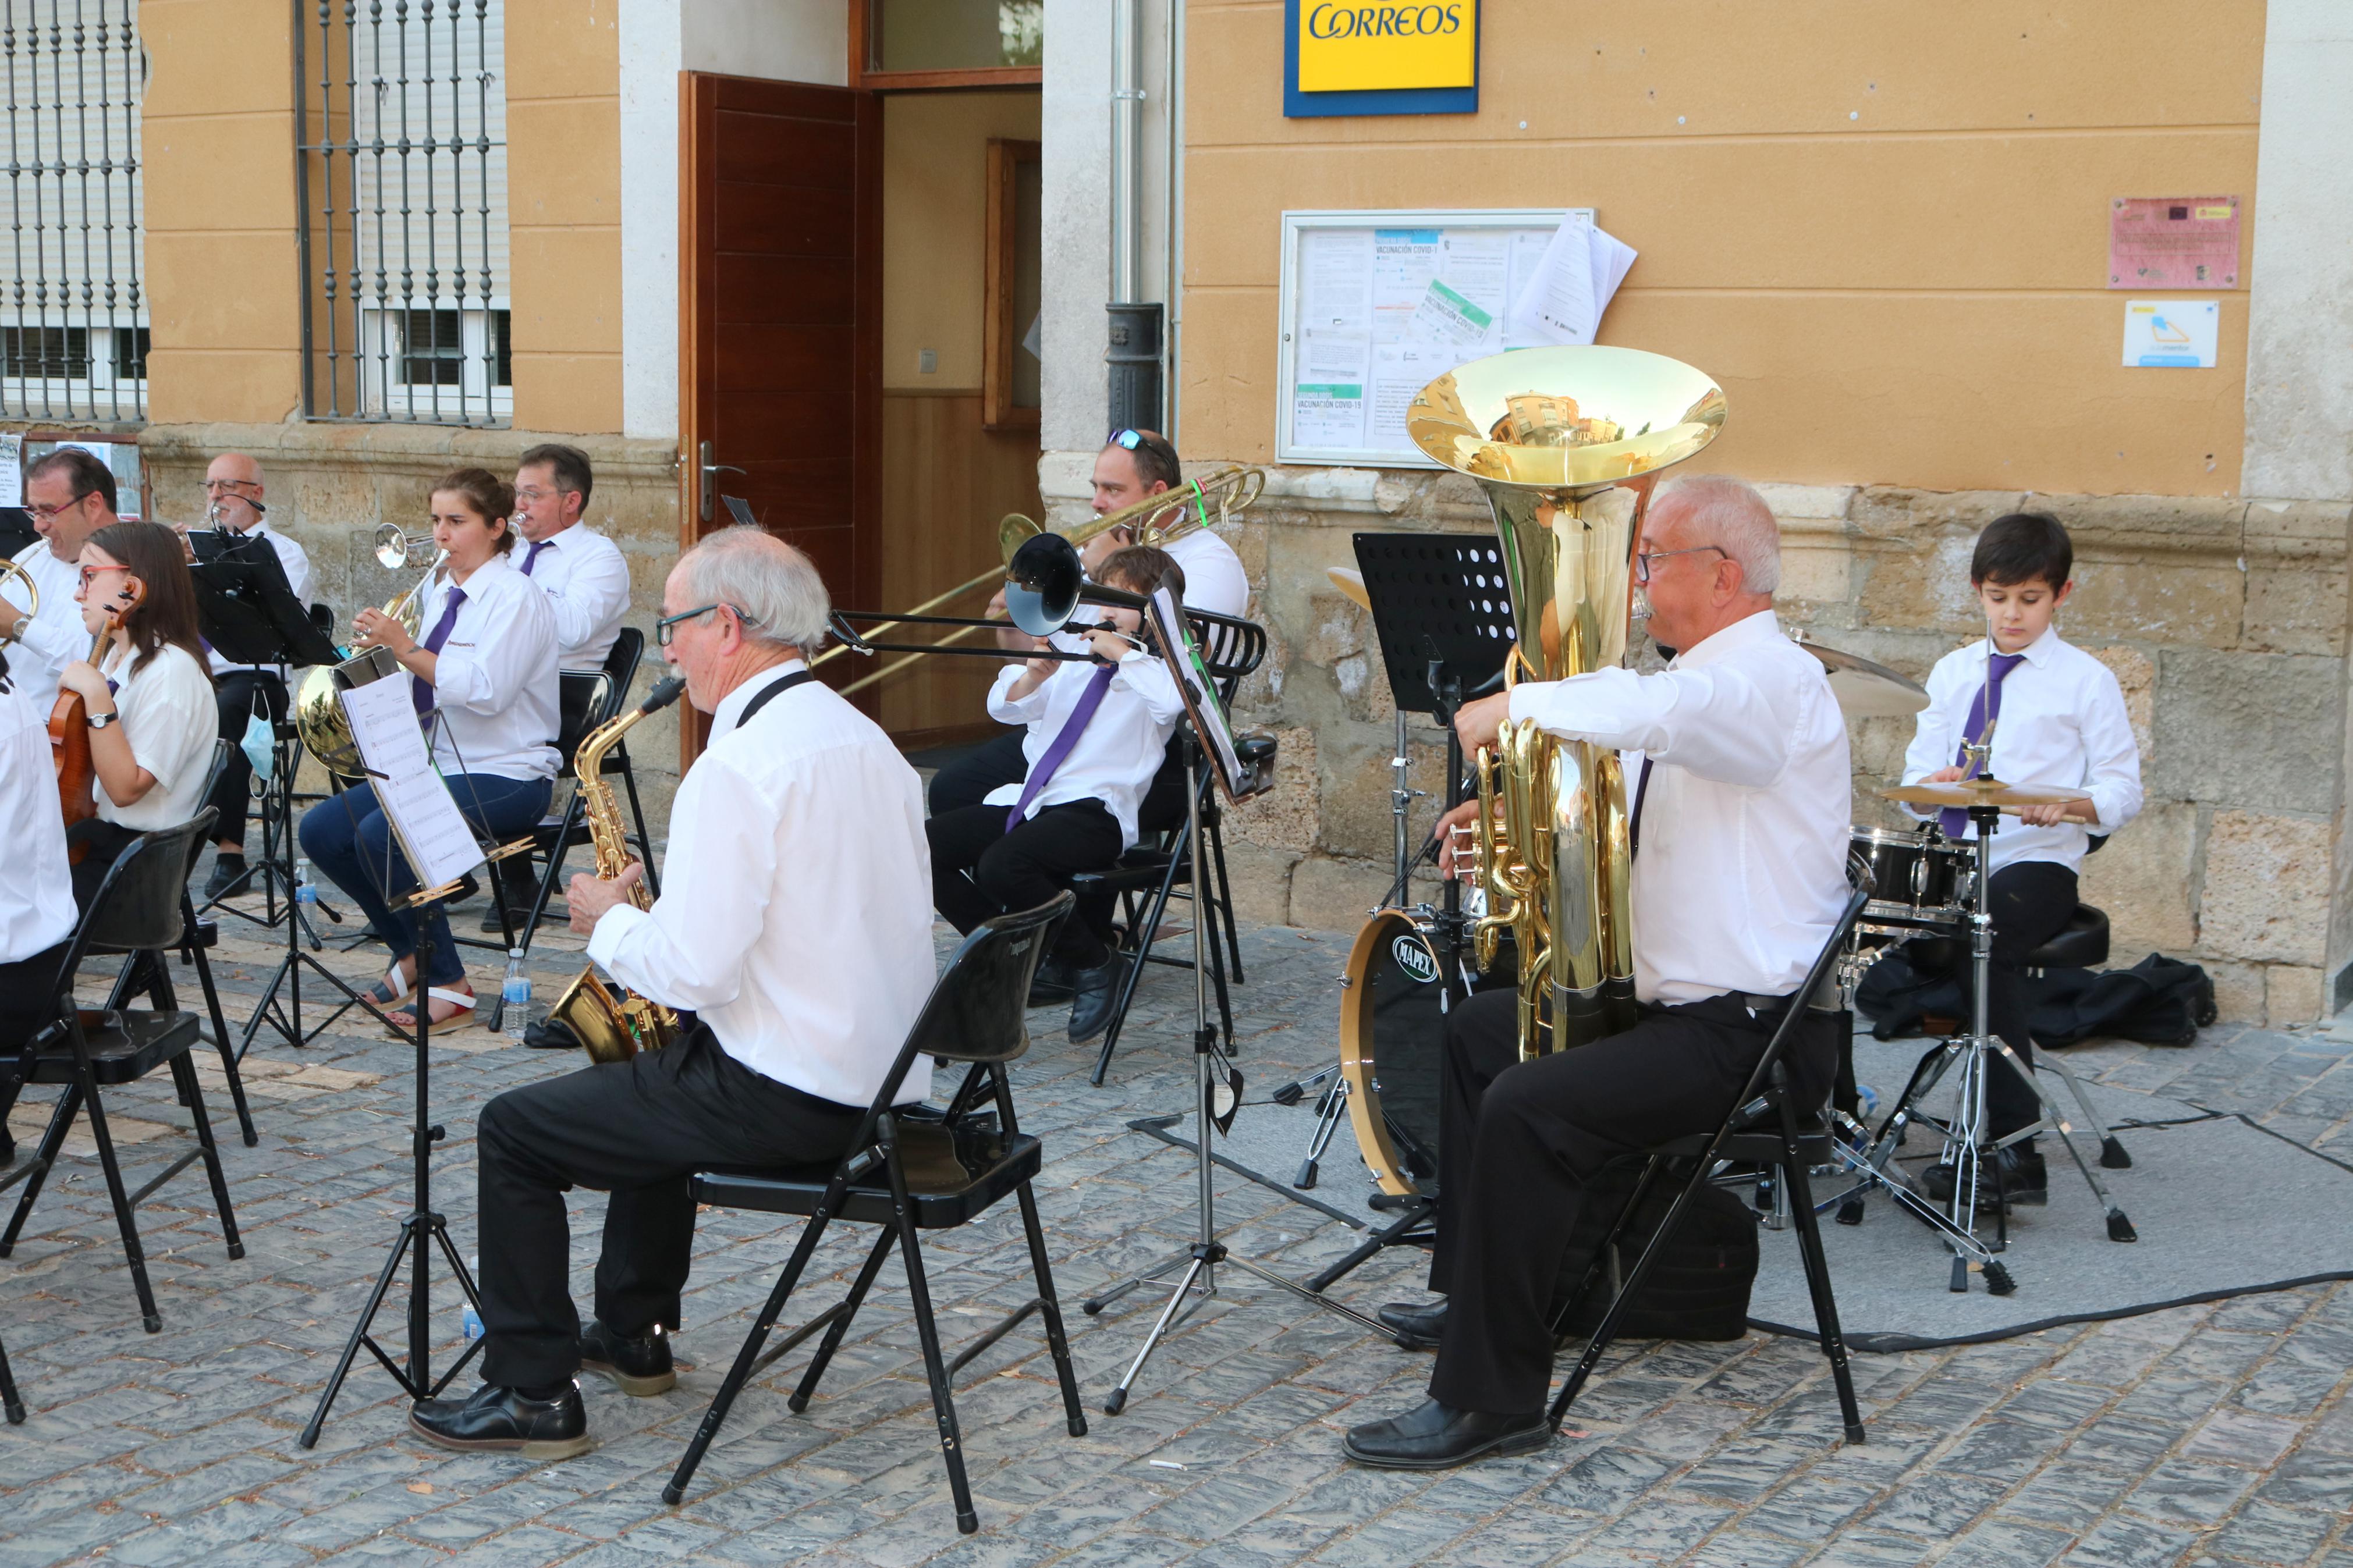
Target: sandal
<point x="383" y="994"/>
<point x="461" y="1007"/>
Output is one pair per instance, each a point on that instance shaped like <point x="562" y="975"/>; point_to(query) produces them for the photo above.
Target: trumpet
<point x="318" y="712"/>
<point x="1224" y="495"/>
<point x="13" y="625"/>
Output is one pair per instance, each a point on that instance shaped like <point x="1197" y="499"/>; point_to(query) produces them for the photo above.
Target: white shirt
<point x="796" y="912"/>
<point x="37" y="902"/>
<point x="171" y="722"/>
<point x="1214" y="579"/>
<point x="586" y="581"/>
<point x="2060" y="723"/>
<point x="1117" y="753"/>
<point x="495" y="680"/>
<point x="1741" y="874"/>
<point x="297" y="563"/>
<point x="57" y="636"/>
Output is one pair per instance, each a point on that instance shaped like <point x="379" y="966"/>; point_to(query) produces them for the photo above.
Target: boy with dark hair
<point x="2057" y="717"/>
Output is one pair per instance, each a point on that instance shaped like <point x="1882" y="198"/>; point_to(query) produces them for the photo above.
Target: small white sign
<point x="2172" y="334"/>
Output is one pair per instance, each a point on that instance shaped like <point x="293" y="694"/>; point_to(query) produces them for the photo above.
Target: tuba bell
<point x="1566" y="443"/>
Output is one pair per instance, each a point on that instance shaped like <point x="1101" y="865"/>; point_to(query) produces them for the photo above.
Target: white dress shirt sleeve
<point x="487" y="677"/>
<point x="297" y="562"/>
<point x="1705" y="720"/>
<point x="594" y="591"/>
<point x="1937" y="731"/>
<point x="2111" y="755"/>
<point x="689" y="949"/>
<point x="1146" y="675"/>
<point x="1007" y="709"/>
<point x="53" y="640"/>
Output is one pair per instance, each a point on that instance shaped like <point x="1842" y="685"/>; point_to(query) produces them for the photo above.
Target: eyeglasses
<point x="1132" y="439"/>
<point x="533" y="495"/>
<point x="1642" y="561"/>
<point x="91" y="574"/>
<point x="211" y="485"/>
<point x="45" y="513"/>
<point x="665" y="629"/>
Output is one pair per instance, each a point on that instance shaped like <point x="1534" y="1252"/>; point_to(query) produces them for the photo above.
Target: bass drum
<point x="1392" y="1018"/>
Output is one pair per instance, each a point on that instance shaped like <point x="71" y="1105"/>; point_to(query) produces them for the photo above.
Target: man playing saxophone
<point x="1739" y="759"/>
<point x="795" y="920"/>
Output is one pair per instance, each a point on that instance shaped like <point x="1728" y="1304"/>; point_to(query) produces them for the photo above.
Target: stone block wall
<point x="330" y="486"/>
<point x="2224" y="621"/>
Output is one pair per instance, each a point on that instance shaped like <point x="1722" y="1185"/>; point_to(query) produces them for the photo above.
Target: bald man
<point x="233" y="503"/>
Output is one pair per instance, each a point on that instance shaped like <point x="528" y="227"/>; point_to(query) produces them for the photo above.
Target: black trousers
<point x="2030" y="901"/>
<point x="29" y="1000"/>
<point x="637" y="1130"/>
<point x="233" y="792"/>
<point x="978" y="869"/>
<point x="990" y="765"/>
<point x="1520" y="1141"/>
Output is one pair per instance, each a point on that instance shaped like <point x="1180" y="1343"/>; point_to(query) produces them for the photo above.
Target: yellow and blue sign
<point x="1381" y="56"/>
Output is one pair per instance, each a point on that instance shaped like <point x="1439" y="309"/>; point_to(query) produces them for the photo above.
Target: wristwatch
<point x="101" y="721"/>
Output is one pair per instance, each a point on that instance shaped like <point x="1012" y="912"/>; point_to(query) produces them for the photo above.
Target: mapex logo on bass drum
<point x="1414" y="960"/>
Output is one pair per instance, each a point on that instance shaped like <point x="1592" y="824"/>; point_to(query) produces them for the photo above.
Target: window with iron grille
<point x="402" y="184"/>
<point x="73" y="316"/>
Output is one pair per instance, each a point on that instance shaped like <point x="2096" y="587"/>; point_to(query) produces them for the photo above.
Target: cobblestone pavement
<point x="2209" y="1434"/>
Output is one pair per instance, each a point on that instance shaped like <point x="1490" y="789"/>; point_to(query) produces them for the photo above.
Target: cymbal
<point x="1351" y="582"/>
<point x="1966" y="792"/>
<point x="1864" y="689"/>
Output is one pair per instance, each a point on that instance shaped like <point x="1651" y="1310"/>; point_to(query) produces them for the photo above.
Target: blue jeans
<point x="348" y="837"/>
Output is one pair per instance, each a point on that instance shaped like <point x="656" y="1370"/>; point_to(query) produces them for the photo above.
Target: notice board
<point x="1375" y="305"/>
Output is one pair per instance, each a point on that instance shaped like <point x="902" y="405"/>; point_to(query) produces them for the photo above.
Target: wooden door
<point x="780" y="321"/>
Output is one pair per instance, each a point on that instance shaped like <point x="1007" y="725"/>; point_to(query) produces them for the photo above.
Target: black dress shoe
<point x="506" y="1419"/>
<point x="229" y="874"/>
<point x="1437" y="1437"/>
<point x="548" y="1035"/>
<point x="2025" y="1180"/>
<point x="1417" y="1328"/>
<point x="1092" y="991"/>
<point x="641" y="1366"/>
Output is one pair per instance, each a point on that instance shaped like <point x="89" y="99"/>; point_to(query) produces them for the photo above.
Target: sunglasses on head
<point x="1132" y="439"/>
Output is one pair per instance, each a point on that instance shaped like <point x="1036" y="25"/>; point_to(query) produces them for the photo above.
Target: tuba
<point x="319" y="715"/>
<point x="613" y="1024"/>
<point x="1566" y="443"/>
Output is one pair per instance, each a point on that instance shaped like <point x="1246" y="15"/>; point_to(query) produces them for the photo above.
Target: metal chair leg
<point x="229" y="1068"/>
<point x="184" y="1071"/>
<point x="1143" y="932"/>
<point x="637" y="813"/>
<point x="840" y="1324"/>
<point x="124" y="1220"/>
<point x="11" y="1402"/>
<point x="1050" y="1308"/>
<point x="53" y="1142"/>
<point x="1223" y="892"/>
<point x="936" y="1371"/>
<point x="1817" y="1262"/>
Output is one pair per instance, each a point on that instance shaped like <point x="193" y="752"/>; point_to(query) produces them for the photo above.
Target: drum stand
<point x="1212" y="1073"/>
<point x="1967" y="1143"/>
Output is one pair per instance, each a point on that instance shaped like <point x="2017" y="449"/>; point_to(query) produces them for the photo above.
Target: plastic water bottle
<point x="306" y="892"/>
<point x="516" y="993"/>
<point x="470" y="1320"/>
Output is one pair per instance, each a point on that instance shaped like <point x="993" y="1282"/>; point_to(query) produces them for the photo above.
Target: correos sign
<point x="1395" y="57"/>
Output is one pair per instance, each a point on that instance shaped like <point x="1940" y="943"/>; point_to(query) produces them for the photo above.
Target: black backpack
<point x="2159" y="1001"/>
<point x="1698" y="1289"/>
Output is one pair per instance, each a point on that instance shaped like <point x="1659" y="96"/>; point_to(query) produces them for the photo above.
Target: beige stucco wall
<point x="1882" y="228"/>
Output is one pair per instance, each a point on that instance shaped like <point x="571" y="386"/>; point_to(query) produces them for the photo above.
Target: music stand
<point x="249" y="614"/>
<point x="1442" y="613"/>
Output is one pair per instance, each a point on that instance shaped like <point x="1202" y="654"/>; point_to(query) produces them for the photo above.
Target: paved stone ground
<point x="2211" y="1434"/>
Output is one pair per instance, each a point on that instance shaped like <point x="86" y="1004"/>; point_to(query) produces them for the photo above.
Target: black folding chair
<point x="591" y="700"/>
<point x="11" y="1402"/>
<point x="138" y="910"/>
<point x="1762" y="1127"/>
<point x="1149" y="878"/>
<point x="197" y="938"/>
<point x="907" y="1176"/>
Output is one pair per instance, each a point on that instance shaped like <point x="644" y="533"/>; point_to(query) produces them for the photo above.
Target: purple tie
<point x="423" y="694"/>
<point x="1984" y="709"/>
<point x="1089" y="700"/>
<point x="532" y="559"/>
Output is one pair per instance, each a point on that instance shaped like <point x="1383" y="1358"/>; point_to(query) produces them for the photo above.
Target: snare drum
<point x="1916" y="878"/>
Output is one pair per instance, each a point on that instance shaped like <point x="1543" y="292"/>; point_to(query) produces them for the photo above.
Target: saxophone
<point x="612" y="1023"/>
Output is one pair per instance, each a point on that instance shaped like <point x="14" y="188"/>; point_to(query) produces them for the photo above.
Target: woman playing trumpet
<point x="484" y="682"/>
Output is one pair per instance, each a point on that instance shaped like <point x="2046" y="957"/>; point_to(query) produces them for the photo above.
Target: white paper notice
<point x="1525" y="256"/>
<point x="1477" y="266"/>
<point x="1336" y="280"/>
<point x="1612" y="256"/>
<point x="1399" y="371"/>
<point x="434" y="835"/>
<point x="1446" y="317"/>
<point x="1328" y="398"/>
<point x="2172" y="334"/>
<point x="1556" y="305"/>
<point x="12" y="470"/>
<point x="1404" y="261"/>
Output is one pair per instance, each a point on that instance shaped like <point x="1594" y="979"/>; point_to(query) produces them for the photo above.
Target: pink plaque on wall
<point x="2173" y="242"/>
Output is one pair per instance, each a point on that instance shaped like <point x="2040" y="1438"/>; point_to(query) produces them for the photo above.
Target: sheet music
<point x="1175" y="635"/>
<point x="434" y="835"/>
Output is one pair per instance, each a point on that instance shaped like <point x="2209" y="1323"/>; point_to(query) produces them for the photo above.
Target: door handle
<point x="710" y="472"/>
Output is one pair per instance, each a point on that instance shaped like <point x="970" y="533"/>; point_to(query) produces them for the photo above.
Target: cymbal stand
<point x="1213" y="1073"/>
<point x="1967" y="1143"/>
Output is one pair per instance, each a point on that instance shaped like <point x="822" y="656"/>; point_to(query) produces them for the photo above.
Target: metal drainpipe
<point x="1133" y="352"/>
<point x="1175" y="225"/>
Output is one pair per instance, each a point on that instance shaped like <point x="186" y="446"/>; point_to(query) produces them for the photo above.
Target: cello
<point x="69" y="728"/>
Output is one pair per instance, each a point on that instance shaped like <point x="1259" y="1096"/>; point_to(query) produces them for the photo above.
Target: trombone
<point x="1221" y="497"/>
<point x="1044" y="585"/>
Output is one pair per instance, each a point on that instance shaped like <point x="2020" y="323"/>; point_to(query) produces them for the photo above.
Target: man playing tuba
<point x="1739" y="836"/>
